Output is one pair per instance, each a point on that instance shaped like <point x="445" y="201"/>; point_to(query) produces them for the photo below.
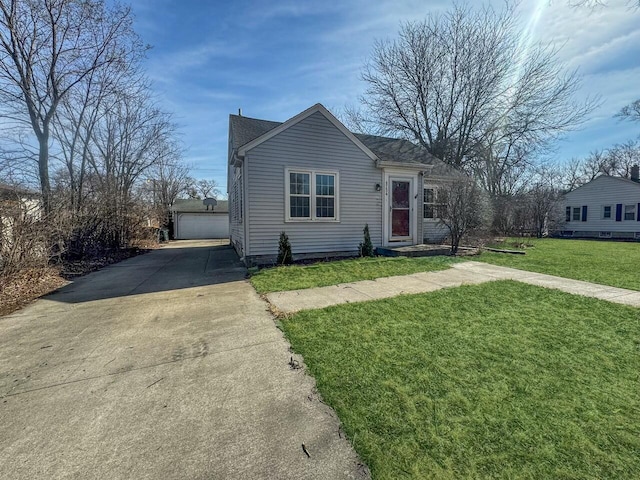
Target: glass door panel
<point x="400" y="208"/>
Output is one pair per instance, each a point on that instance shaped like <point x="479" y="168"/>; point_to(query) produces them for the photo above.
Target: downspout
<point x="245" y="209"/>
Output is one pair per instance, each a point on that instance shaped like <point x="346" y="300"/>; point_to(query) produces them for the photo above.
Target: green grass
<point x="499" y="380"/>
<point x="606" y="263"/>
<point x="331" y="273"/>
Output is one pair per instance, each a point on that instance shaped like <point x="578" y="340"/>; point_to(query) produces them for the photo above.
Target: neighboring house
<point x="320" y="183"/>
<point x="15" y="199"/>
<point x="606" y="207"/>
<point x="195" y="219"/>
<point x="19" y="208"/>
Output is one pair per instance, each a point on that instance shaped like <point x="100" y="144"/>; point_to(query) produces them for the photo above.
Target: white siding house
<point x="606" y="207"/>
<point x="321" y="184"/>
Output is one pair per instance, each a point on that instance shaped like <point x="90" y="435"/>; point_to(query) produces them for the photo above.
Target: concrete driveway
<point x="164" y="366"/>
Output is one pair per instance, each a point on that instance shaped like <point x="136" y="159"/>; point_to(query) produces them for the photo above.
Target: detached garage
<point x="195" y="219"/>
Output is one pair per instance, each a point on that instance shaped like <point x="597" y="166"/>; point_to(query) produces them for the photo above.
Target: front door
<point x="400" y="223"/>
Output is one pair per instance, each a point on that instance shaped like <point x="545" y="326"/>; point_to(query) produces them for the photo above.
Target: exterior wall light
<point x="378" y="187"/>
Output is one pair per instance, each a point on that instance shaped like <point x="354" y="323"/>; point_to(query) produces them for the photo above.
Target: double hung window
<point x="311" y="195"/>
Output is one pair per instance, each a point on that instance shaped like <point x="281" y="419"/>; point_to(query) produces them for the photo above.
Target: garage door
<point x="202" y="225"/>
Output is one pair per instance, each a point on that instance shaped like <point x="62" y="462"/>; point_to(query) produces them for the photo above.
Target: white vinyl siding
<point x="601" y="196"/>
<point x="312" y="145"/>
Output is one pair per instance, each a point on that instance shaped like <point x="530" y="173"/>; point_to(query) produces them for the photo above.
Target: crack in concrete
<point x="134" y="369"/>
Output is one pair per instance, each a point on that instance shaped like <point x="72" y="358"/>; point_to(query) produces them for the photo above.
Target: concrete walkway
<point x="165" y="366"/>
<point x="465" y="273"/>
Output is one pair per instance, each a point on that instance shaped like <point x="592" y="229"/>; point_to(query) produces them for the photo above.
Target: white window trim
<point x="624" y="213"/>
<point x="611" y="212"/>
<point x="435" y="203"/>
<point x="573" y="214"/>
<point x="312" y="196"/>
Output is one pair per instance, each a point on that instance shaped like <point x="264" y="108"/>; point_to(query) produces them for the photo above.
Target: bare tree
<point x="132" y="136"/>
<point x="468" y="87"/>
<point x="463" y="208"/>
<point x="631" y="111"/>
<point x="593" y="165"/>
<point x="621" y="158"/>
<point x="594" y="4"/>
<point x="571" y="175"/>
<point x="77" y="116"/>
<point x="47" y="47"/>
<point x="543" y="195"/>
<point x="208" y="188"/>
<point x="615" y="161"/>
<point x="168" y="180"/>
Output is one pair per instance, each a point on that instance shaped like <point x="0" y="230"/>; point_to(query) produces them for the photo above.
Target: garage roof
<point x="196" y="205"/>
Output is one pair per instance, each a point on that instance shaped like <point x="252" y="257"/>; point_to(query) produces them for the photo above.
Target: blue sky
<point x="275" y="58"/>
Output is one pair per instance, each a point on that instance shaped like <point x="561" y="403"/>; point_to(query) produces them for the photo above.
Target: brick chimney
<point x="635" y="173"/>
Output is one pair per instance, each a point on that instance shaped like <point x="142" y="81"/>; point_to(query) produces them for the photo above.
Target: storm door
<point x="400" y="209"/>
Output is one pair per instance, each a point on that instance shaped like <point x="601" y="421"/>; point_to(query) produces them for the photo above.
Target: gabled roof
<point x="317" y="108"/>
<point x="246" y="129"/>
<point x="248" y="132"/>
<point x="626" y="181"/>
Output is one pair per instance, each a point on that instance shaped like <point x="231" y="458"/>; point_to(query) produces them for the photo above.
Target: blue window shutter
<point x="568" y="214"/>
<point x="618" y="212"/>
<point x="584" y="213"/>
<point x="638" y="212"/>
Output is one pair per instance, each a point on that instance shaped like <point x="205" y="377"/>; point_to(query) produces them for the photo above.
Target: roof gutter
<point x="236" y="160"/>
<point x="407" y="165"/>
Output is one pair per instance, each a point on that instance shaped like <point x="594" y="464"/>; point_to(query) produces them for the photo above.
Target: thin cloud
<point x="275" y="59"/>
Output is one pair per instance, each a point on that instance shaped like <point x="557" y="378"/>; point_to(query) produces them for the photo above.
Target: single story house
<point x="606" y="207"/>
<point x="195" y="219"/>
<point x="321" y="184"/>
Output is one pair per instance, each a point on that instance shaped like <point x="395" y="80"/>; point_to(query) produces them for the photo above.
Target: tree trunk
<point x="43" y="171"/>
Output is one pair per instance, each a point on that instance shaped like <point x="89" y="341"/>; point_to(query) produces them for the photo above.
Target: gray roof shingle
<point x="196" y="205"/>
<point x="246" y="129"/>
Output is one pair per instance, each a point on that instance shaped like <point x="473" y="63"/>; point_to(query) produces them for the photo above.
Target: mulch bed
<point x="18" y="290"/>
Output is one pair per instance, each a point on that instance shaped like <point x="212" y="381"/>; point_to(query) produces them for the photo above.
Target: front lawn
<point x="606" y="263"/>
<point x="499" y="380"/>
<point x="321" y="274"/>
